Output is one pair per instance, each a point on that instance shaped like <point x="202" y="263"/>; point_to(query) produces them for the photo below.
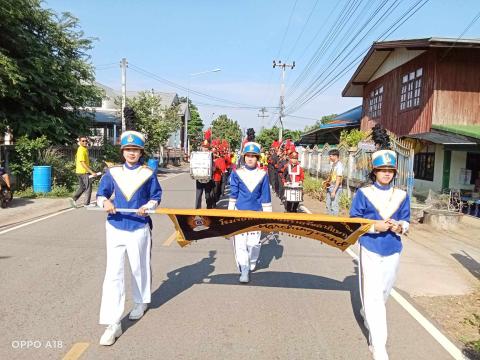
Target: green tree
<point x="267" y="136"/>
<point x="293" y="135"/>
<point x="152" y="119"/>
<point x="352" y="137"/>
<point x="228" y="129"/>
<point x="195" y="125"/>
<point x="45" y="79"/>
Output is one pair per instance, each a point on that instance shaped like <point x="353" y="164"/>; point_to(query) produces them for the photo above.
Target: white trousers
<point x="247" y="249"/>
<point x="377" y="275"/>
<point x="137" y="245"/>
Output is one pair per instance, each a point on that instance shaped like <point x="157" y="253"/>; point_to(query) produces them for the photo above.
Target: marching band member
<point x="380" y="248"/>
<point x="135" y="186"/>
<point x="219" y="170"/>
<point x="206" y="186"/>
<point x="226" y="174"/>
<point x="282" y="166"/>
<point x="293" y="174"/>
<point x="249" y="190"/>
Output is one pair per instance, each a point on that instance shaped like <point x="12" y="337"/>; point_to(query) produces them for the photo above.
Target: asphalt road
<point x="302" y="302"/>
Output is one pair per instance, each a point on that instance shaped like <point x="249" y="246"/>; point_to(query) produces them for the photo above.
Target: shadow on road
<point x="18" y="202"/>
<point x="271" y="249"/>
<point x="292" y="280"/>
<point x="178" y="281"/>
<point x="182" y="279"/>
<point x="468" y="263"/>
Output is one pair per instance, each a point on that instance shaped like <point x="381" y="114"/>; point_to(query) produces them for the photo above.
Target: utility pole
<point x="282" y="94"/>
<point x="123" y="66"/>
<point x="263" y="116"/>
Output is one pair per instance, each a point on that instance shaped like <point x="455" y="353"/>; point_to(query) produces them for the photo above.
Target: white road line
<point x="35" y="221"/>
<point x="59" y="213"/>
<point x="450" y="347"/>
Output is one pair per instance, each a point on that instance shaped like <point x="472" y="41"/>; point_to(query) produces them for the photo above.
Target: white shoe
<point x="112" y="332"/>
<point x="137" y="311"/>
<point x="244" y="275"/>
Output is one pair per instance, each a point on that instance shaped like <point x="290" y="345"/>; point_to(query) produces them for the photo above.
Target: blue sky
<point x="173" y="39"/>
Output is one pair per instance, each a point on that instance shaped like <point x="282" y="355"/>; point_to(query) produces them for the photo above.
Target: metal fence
<point x="357" y="163"/>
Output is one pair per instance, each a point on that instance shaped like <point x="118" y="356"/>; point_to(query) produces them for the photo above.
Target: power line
<point x="303" y="29"/>
<point x="183" y="88"/>
<point x="322" y="77"/>
<point x="287" y="28"/>
<point x="474" y="20"/>
<point x="318" y="84"/>
<point x="329" y="37"/>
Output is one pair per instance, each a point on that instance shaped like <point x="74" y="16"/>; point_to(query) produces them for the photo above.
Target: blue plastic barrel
<point x="42" y="179"/>
<point x="153" y="164"/>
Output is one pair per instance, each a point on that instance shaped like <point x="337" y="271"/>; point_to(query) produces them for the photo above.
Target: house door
<point x="447" y="157"/>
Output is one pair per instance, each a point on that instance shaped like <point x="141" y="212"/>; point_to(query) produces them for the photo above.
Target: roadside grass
<point x="459" y="317"/>
<point x="313" y="187"/>
<point x="57" y="191"/>
<point x="472" y="347"/>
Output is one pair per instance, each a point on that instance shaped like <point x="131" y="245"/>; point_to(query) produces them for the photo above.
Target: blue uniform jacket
<point x="250" y="189"/>
<point x="378" y="202"/>
<point x="133" y="187"/>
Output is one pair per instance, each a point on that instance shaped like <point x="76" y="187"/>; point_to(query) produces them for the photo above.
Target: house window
<point x="424" y="163"/>
<point x="375" y="103"/>
<point x="411" y="89"/>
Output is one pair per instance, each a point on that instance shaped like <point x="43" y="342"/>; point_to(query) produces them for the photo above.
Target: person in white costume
<point x="134" y="186"/>
<point x="380" y="248"/>
<point x="249" y="190"/>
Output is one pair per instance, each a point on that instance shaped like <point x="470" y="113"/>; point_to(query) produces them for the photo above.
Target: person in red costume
<point x="293" y="174"/>
<point x="219" y="170"/>
<point x="228" y="165"/>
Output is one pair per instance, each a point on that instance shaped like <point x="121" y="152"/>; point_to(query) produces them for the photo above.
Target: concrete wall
<point x="459" y="161"/>
<point x="421" y="187"/>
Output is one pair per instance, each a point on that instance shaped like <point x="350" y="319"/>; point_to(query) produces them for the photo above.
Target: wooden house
<point x="428" y="91"/>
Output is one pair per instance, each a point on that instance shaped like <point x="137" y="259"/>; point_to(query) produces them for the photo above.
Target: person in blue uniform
<point x="249" y="190"/>
<point x="134" y="186"/>
<point x="380" y="248"/>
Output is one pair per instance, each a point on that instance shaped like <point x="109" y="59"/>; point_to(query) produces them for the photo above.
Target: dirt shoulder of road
<point x="440" y="272"/>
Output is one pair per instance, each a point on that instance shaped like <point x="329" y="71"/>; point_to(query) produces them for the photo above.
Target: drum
<point x="293" y="192"/>
<point x="201" y="165"/>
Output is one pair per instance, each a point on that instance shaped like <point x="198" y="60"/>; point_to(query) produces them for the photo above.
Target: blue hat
<point x="251" y="148"/>
<point x="132" y="139"/>
<point x="384" y="159"/>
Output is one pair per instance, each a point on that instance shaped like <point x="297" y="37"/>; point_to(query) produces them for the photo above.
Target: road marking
<point x="76" y="351"/>
<point x="422" y="320"/>
<point x="35" y="221"/>
<point x="170" y="239"/>
<point x="171" y="177"/>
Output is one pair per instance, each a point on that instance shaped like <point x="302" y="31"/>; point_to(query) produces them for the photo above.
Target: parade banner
<point x="191" y="225"/>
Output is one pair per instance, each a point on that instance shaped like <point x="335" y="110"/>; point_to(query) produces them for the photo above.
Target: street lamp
<point x="187" y="115"/>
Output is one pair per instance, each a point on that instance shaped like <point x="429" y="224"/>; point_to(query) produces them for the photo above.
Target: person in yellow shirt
<point x="83" y="171"/>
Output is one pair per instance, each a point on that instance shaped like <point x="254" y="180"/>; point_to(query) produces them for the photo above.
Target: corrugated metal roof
<point x="106" y="117"/>
<point x="467" y="130"/>
<point x="330" y="132"/>
<point x="444" y="138"/>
